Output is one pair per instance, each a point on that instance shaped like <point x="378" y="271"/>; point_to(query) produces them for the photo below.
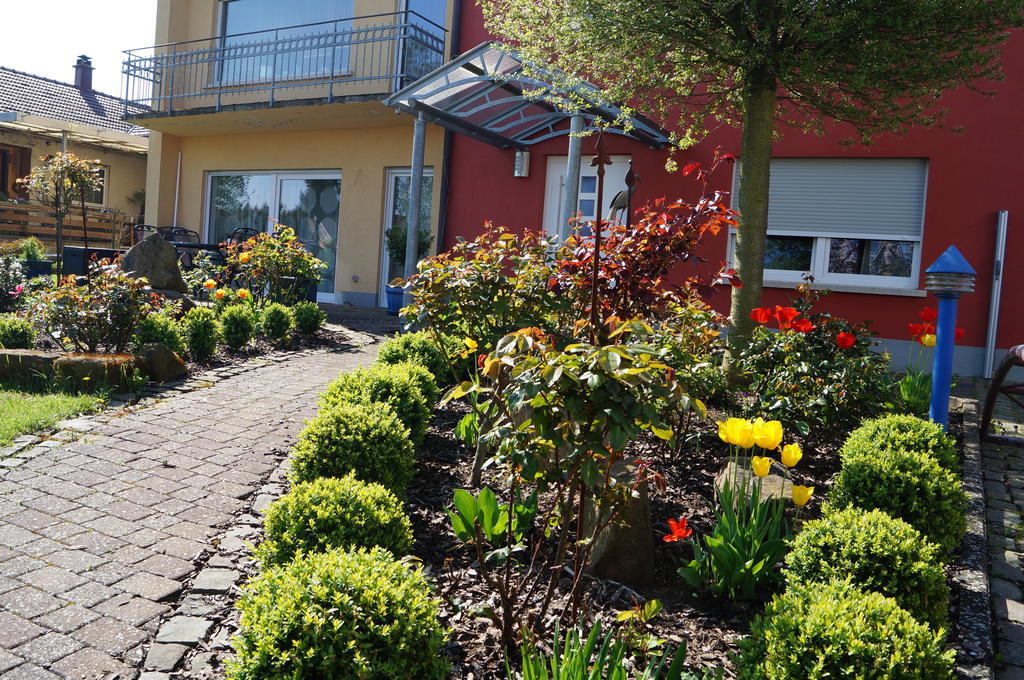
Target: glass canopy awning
<point x="485" y="94"/>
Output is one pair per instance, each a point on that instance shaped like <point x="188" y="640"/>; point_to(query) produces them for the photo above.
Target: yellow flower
<point x="737" y="431"/>
<point x="244" y="258"/>
<point x="470" y="343"/>
<point x="761" y="465"/>
<point x="242" y="293"/>
<point x="928" y="340"/>
<point x="791" y="454"/>
<point x="802" y="494"/>
<point x="209" y="284"/>
<point x="767" y="435"/>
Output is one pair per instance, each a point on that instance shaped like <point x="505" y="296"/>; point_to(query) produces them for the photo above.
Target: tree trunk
<point x="758" y="131"/>
<point x="59" y="229"/>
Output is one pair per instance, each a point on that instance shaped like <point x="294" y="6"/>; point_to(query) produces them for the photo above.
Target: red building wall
<point x="971" y="176"/>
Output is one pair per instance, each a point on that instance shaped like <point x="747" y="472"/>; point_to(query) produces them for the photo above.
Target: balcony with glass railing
<point x="362" y="58"/>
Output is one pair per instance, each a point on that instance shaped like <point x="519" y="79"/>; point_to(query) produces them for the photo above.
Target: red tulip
<point x="929" y="315"/>
<point x="761" y="314"/>
<point x="785" y="316"/>
<point x="846" y="340"/>
<point x="803" y="325"/>
<point x="677" y="530"/>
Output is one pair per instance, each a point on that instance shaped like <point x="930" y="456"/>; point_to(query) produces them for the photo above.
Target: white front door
<point x="396" y="215"/>
<point x="554" y="190"/>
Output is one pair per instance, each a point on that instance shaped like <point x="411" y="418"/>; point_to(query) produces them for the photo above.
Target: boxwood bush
<point x="331" y="513"/>
<point x="276" y="322"/>
<point x="238" y="324"/>
<point x="160" y="328"/>
<point x="877" y="552"/>
<point x="424" y="379"/>
<point x="908" y="433"/>
<point x="395" y="385"/>
<point x="339" y="615"/>
<point x="837" y="631"/>
<point x="367" y="439"/>
<point x="16" y="333"/>
<point x="308" y="317"/>
<point x="422" y="347"/>
<point x="905" y="484"/>
<point x="202" y="332"/>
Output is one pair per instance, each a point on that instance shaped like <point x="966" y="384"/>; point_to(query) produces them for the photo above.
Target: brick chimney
<point x="83" y="73"/>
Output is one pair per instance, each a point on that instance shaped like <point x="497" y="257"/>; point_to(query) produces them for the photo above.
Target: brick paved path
<point x="97" y="536"/>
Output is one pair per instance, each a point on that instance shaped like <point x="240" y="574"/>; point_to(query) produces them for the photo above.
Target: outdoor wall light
<point x="948" y="278"/>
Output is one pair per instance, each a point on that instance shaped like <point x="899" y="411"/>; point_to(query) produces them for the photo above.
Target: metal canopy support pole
<point x="572" y="174"/>
<point x="997" y="286"/>
<point x="419" y="138"/>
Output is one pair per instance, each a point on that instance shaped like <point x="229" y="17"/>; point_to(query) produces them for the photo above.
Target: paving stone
<point x="15" y="630"/>
<point x="68" y="618"/>
<point x="187" y="630"/>
<point x="133" y="610"/>
<point x="89" y="664"/>
<point x="8" y="660"/>
<point x="46" y="649"/>
<point x="150" y="586"/>
<point x="1006" y="589"/>
<point x="29" y="671"/>
<point x="28" y="602"/>
<point x="167" y="565"/>
<point x="109" y="635"/>
<point x="215" y="580"/>
<point x="53" y="579"/>
<point x="164" y="657"/>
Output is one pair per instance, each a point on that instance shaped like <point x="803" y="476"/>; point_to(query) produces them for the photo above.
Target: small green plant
<point x="480" y="518"/>
<point x="596" y="657"/>
<point x="308" y="317"/>
<point x="162" y="328"/>
<point x="906" y="484"/>
<point x="633" y="628"/>
<point x="238" y="324"/>
<point x="276" y="323"/>
<point x="877" y="552"/>
<point x="339" y="615"/>
<point x="837" y="631"/>
<point x="467" y="430"/>
<point x="16" y="333"/>
<point x="437" y="353"/>
<point x="916" y="391"/>
<point x="905" y="433"/>
<point x="392" y="385"/>
<point x="329" y="513"/>
<point x="31" y="249"/>
<point x="367" y="439"/>
<point x="202" y="332"/>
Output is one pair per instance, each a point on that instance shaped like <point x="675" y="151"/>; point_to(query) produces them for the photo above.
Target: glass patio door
<point x="309" y="203"/>
<point x="396" y="219"/>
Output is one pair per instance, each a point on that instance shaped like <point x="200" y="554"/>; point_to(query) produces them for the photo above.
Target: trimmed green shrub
<point x="424" y="379"/>
<point x="16" y="333"/>
<point x="836" y="631"/>
<point x="421" y="348"/>
<point x="277" y="322"/>
<point x="877" y="552"/>
<point x="395" y="385"/>
<point x="160" y="328"/>
<point x="339" y="615"/>
<point x="238" y="324"/>
<point x="907" y="433"/>
<point x="367" y="439"/>
<point x="329" y="513"/>
<point x="202" y="332"/>
<point x="308" y="317"/>
<point x="908" y="485"/>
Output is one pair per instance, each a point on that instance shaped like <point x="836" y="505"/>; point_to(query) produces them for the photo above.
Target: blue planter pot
<point x="396" y="295"/>
<point x="34" y="268"/>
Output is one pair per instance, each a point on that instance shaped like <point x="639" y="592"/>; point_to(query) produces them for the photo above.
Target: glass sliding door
<point x="309" y="203"/>
<point x="396" y="220"/>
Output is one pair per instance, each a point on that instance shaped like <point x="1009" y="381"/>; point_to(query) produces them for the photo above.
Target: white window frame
<point x="104" y="171"/>
<point x="821" y="245"/>
<point x="384" y="276"/>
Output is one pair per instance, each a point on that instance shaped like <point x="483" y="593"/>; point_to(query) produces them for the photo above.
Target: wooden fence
<point x="106" y="229"/>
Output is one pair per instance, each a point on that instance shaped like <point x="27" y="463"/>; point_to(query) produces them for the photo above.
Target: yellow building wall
<point x="126" y="172"/>
<point x="363" y="157"/>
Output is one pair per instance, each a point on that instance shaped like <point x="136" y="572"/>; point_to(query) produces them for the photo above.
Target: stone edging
<point x="28" y="446"/>
<point x="970" y="577"/>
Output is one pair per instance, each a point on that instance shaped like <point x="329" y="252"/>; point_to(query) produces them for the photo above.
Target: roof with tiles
<point x="27" y="93"/>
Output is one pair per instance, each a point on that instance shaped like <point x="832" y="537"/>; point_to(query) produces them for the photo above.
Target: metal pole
<point x="997" y="287"/>
<point x="942" y="369"/>
<point x="412" y="234"/>
<point x="64" y="141"/>
<point x="572" y="175"/>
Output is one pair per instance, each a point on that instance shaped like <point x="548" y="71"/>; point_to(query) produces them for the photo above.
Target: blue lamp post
<point x="949" y="277"/>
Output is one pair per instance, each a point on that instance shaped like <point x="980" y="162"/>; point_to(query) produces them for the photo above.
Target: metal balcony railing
<point x="364" y="57"/>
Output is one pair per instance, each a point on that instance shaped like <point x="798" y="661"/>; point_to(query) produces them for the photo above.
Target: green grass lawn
<point x="27" y="410"/>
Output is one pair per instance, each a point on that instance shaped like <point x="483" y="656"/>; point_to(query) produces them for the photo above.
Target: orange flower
<point x="761" y="314"/>
<point x="244" y="258"/>
<point x="243" y="293"/>
<point x="210" y="284"/>
<point x="220" y="294"/>
<point x="677" y="530"/>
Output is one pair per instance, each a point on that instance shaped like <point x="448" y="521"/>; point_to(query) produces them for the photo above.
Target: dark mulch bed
<point x="709" y="626"/>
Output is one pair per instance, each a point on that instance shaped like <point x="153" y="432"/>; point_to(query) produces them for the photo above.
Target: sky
<point x="45" y="37"/>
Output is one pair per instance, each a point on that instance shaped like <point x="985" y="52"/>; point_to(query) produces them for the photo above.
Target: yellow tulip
<point x="802" y="494"/>
<point x="220" y="294"/>
<point x="209" y="284"/>
<point x="738" y="432"/>
<point x="723" y="431"/>
<point x="767" y="435"/>
<point x="791" y="454"/>
<point x="470" y="343"/>
<point x="928" y="340"/>
<point x="242" y="293"/>
<point x="761" y="465"/>
<point x="244" y="258"/>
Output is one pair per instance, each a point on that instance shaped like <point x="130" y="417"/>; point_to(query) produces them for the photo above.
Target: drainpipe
<point x="177" y="191"/>
<point x="997" y="287"/>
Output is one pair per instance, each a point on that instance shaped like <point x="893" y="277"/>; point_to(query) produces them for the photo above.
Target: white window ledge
<point x="849" y="288"/>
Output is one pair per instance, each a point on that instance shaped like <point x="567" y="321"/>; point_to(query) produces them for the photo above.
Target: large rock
<point x="157" y="261"/>
<point x="94" y="371"/>
<point x="160" y="363"/>
<point x="624" y="550"/>
<point x="26" y="363"/>
<point x="776" y="484"/>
